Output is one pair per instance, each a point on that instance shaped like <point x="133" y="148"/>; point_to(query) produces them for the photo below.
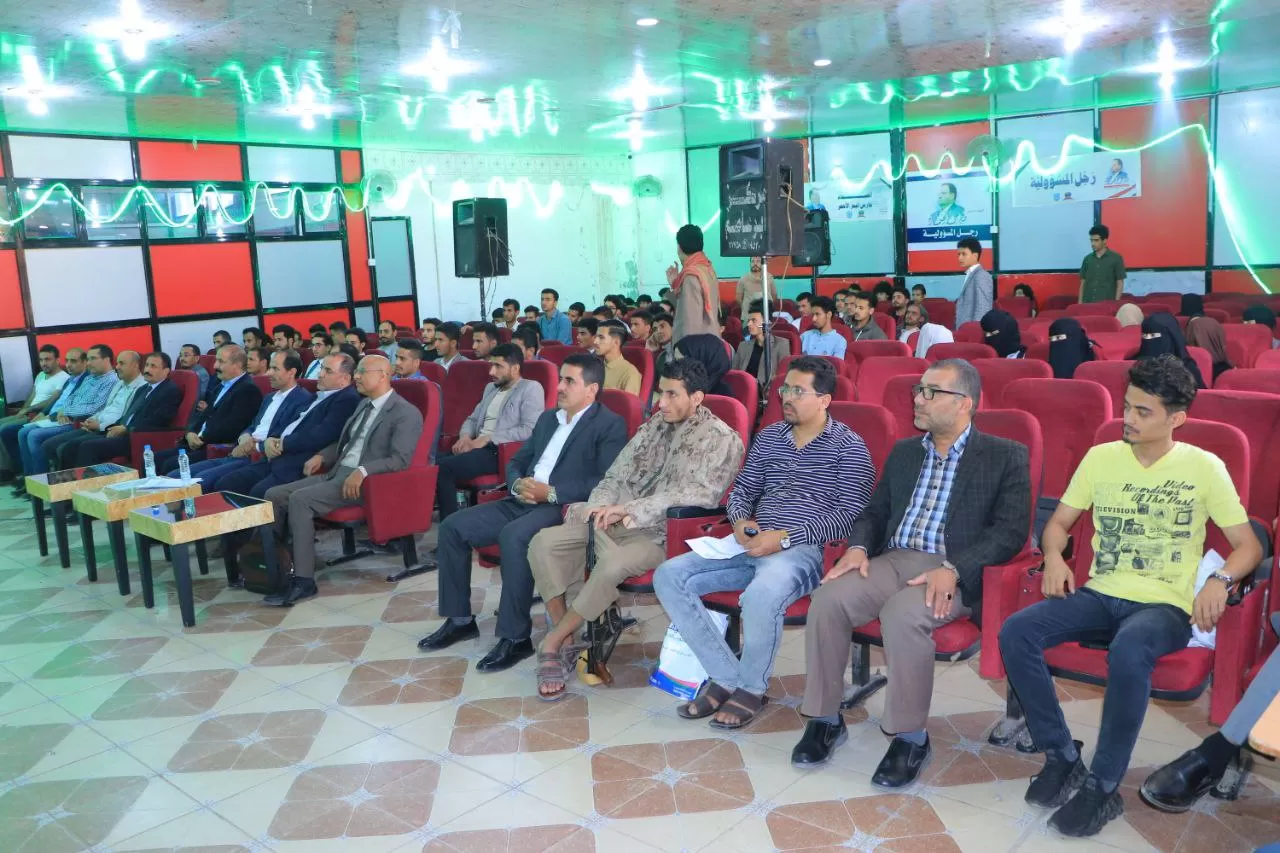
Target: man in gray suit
<point x="947" y="505"/>
<point x="977" y="295"/>
<point x="380" y="437"/>
<point x="507" y="412"/>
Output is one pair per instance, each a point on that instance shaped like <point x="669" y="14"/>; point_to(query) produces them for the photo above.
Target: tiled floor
<point x="322" y="728"/>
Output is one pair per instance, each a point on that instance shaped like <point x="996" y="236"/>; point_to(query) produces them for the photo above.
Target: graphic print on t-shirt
<point x="1144" y="530"/>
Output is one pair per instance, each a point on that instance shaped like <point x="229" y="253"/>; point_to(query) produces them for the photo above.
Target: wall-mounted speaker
<point x="480" y="248"/>
<point x="761" y="198"/>
<point x="816" y="251"/>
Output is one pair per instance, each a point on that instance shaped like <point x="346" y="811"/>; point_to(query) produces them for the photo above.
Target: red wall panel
<point x="1168" y="225"/>
<point x="1240" y="281"/>
<point x="829" y="286"/>
<point x="302" y="320"/>
<point x="11" y="314"/>
<point x="136" y="338"/>
<point x="399" y="311"/>
<point x="1043" y="285"/>
<point x="351" y="168"/>
<point x="929" y="144"/>
<point x="182" y="161"/>
<point x="202" y="278"/>
<point x="358" y="250"/>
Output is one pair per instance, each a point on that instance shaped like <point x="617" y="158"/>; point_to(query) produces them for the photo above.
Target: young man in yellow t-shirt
<point x="618" y="372"/>
<point x="1151" y="498"/>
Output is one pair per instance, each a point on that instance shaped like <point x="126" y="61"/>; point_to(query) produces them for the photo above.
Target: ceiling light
<point x="1167" y="64"/>
<point x="438" y="66"/>
<point x="306" y="108"/>
<point x="131" y="29"/>
<point x="34" y="87"/>
<point x="639" y="90"/>
<point x="647" y="22"/>
<point x="821" y="63"/>
<point x="1072" y="25"/>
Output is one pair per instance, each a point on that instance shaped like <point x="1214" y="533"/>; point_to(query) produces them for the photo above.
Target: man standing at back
<point x="694" y="287"/>
<point x="507" y="411"/>
<point x="806" y="479"/>
<point x="1102" y="272"/>
<point x="571" y="448"/>
<point x="949" y="504"/>
<point x="976" y="296"/>
<point x="380" y="437"/>
<point x="1152" y="498"/>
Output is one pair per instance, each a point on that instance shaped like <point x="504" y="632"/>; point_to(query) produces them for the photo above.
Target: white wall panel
<point x="292" y="165"/>
<point x="364" y="318"/>
<point x="86" y="285"/>
<point x="15" y="357"/>
<point x="1142" y="282"/>
<point x="200" y="333"/>
<point x="69" y="157"/>
<point x="301" y="273"/>
<point x="391" y="248"/>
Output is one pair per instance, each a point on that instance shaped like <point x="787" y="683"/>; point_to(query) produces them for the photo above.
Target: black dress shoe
<point x="299" y="589"/>
<point x="448" y="634"/>
<point x="1175" y="787"/>
<point x="820" y="739"/>
<point x="505" y="655"/>
<point x="902" y="764"/>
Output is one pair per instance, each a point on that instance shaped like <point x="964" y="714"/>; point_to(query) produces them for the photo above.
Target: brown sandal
<point x="741" y="700"/>
<point x="706" y="703"/>
<point x="552" y="670"/>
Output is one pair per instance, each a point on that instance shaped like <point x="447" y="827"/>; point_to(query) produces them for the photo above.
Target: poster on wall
<point x="1099" y="176"/>
<point x="947" y="207"/>
<point x="849" y="204"/>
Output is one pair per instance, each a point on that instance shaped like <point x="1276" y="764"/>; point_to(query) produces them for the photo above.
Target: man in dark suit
<point x="230" y="406"/>
<point x="313" y="429"/>
<point x="569" y="452"/>
<point x="380" y="437"/>
<point x="277" y="411"/>
<point x="947" y="505"/>
<point x="152" y="407"/>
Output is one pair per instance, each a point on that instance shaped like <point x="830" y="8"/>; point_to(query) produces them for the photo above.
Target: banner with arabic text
<point x="945" y="207"/>
<point x="1082" y="178"/>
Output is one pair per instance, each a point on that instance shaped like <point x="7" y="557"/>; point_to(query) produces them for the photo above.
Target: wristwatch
<point x="786" y="540"/>
<point x="552" y="497"/>
<point x="1226" y="579"/>
<point x="947" y="564"/>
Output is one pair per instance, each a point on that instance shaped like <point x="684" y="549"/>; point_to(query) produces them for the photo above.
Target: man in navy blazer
<point x="228" y="408"/>
<point x="571" y="448"/>
<point x="317" y="426"/>
<point x="152" y="407"/>
<point x="281" y="408"/>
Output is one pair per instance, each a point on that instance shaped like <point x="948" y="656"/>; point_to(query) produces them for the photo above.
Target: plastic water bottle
<point x="184" y="467"/>
<point x="148" y="462"/>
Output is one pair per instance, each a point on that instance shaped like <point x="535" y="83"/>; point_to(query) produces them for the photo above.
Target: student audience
<point x="641" y="324"/>
<point x="914" y="318"/>
<point x="528" y="340"/>
<point x="1130" y="314"/>
<point x="552" y="325"/>
<point x="220" y="338"/>
<point x="918" y="293"/>
<point x="1208" y="334"/>
<point x="507" y="412"/>
<point x="1264" y="316"/>
<point x="618" y="372"/>
<point x="898" y="302"/>
<point x="710" y="352"/>
<point x="805" y="481"/>
<point x="408" y="360"/>
<point x="87" y="398"/>
<point x="447" y="337"/>
<point x="584" y="333"/>
<point x="568" y="454"/>
<point x="1001" y="333"/>
<point x="682" y="456"/>
<point x="428" y="332"/>
<point x="509" y="316"/>
<point x="977" y="293"/>
<point x="576" y="312"/>
<point x="387" y="340"/>
<point x="357" y="339"/>
<point x="1025" y="291"/>
<point x="484" y="337"/>
<point x="282" y="337"/>
<point x="823" y="339"/>
<point x="1192" y="305"/>
<point x="253" y="337"/>
<point x="189" y="359"/>
<point x="257" y="360"/>
<point x="861" y="321"/>
<point x="930" y="333"/>
<point x="757" y="354"/>
<point x="1161" y="335"/>
<point x="1069" y="347"/>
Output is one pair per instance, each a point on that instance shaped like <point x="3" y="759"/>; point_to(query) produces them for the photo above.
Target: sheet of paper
<point x="155" y="483"/>
<point x="712" y="548"/>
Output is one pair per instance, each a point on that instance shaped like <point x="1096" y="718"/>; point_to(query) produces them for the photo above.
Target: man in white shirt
<point x="571" y="448"/>
<point x="129" y="369"/>
<point x="279" y="409"/>
<point x="44" y="392"/>
<point x="379" y="438"/>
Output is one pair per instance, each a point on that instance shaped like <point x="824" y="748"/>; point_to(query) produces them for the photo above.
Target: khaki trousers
<point x="297" y="505"/>
<point x="558" y="558"/>
<point x="906" y="625"/>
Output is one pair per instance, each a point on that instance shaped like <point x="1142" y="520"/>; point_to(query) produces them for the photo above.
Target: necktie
<point x="365" y="408"/>
<point x="139" y="397"/>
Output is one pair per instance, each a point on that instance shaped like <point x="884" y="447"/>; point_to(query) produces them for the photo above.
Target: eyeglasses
<point x="796" y="391"/>
<point x="929" y="392"/>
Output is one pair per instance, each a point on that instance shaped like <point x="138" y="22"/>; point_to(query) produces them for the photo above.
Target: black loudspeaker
<point x="762" y="198"/>
<point x="480" y="247"/>
<point x="817" y="240"/>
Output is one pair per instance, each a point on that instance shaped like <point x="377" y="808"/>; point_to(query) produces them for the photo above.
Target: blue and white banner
<point x="944" y="208"/>
<point x="1082" y="178"/>
<point x="848" y="204"/>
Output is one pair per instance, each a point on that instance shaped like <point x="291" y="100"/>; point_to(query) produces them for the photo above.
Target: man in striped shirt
<point x="87" y="399"/>
<point x="806" y="479"/>
<point x="949" y="504"/>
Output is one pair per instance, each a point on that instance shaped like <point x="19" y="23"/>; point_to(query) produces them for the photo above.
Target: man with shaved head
<point x="379" y="438"/>
<point x="230" y="405"/>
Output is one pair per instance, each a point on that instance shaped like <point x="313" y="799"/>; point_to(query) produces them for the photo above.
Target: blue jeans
<point x="211" y="471"/>
<point x="1138" y="634"/>
<point x="31" y="441"/>
<point x="771" y="585"/>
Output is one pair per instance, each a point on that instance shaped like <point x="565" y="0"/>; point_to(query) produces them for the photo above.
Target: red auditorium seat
<point x="961" y="639"/>
<point x="1115" y="346"/>
<point x="1070" y="412"/>
<point x="1204" y="361"/>
<point x="844" y="390"/>
<point x="166" y="439"/>
<point x="997" y="373"/>
<point x="1258" y="417"/>
<point x="745" y="389"/>
<point x="1057" y="302"/>
<point x="1111" y="375"/>
<point x="463" y="387"/>
<point x="1252" y="338"/>
<point x="873" y="423"/>
<point x="627" y="406"/>
<point x="938" y="352"/>
<point x="970" y="333"/>
<point x="1269" y="359"/>
<point x="433" y="371"/>
<point x="845" y="368"/>
<point x="860" y="351"/>
<point x="899" y="402"/>
<point x="875" y="373"/>
<point x="1106" y="308"/>
<point x="312" y="385"/>
<point x="558" y="353"/>
<point x="1171" y="302"/>
<point x="787" y="332"/>
<point x="397" y="505"/>
<point x="210" y="364"/>
<point x="733" y="413"/>
<point x="1018" y="306"/>
<point x="886" y="323"/>
<point x="1259" y="379"/>
<point x="1183" y="675"/>
<point x="642" y="359"/>
<point x="1096" y="324"/>
<point x="264" y="384"/>
<point x="941" y="311"/>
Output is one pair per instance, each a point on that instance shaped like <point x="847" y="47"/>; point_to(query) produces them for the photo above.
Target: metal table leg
<point x="144" y="570"/>
<point x="42" y="537"/>
<point x="60" y="533"/>
<point x="182" y="579"/>
<point x="115" y="533"/>
<point x="90" y="555"/>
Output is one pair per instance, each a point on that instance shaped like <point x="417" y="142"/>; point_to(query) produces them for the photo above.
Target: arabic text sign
<point x="1081" y="178"/>
<point x="945" y="208"/>
<point x="848" y="205"/>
